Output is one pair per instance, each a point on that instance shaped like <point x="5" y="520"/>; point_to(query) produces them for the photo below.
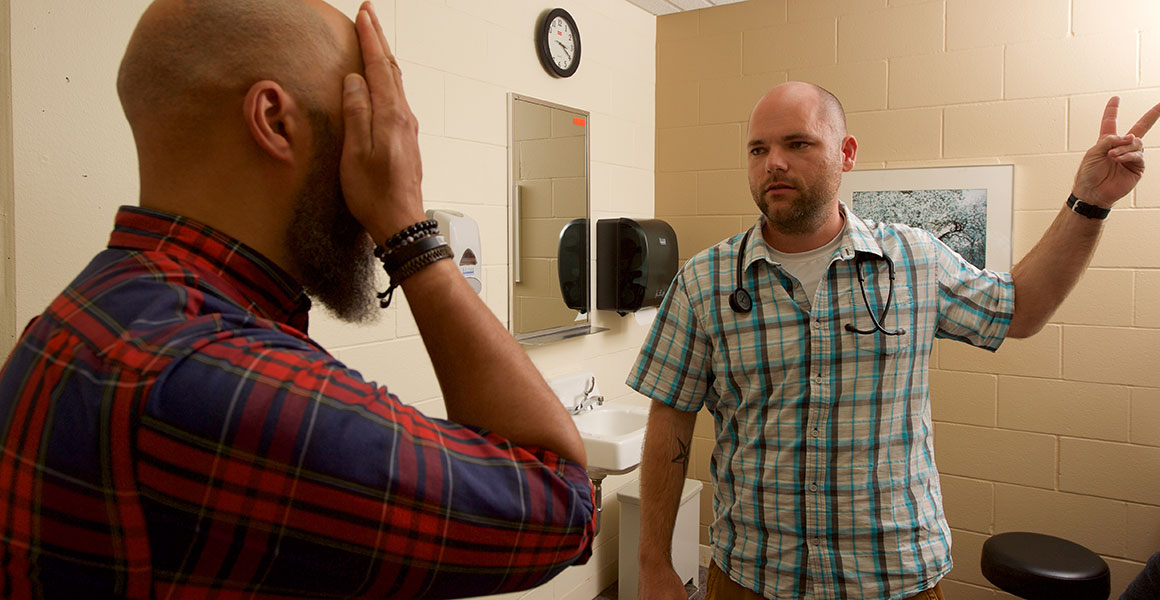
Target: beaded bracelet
<point x="408" y="235"/>
<point x="409" y="251"/>
<point x="384" y="253"/>
<point x="393" y="261"/>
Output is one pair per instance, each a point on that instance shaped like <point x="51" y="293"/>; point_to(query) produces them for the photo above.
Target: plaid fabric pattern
<point x="826" y="485"/>
<point x="170" y="431"/>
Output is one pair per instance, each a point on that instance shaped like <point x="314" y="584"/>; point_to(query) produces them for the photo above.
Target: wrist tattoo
<point x="682" y="457"/>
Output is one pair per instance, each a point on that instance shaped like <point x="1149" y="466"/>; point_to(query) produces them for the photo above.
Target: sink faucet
<point x="589" y="400"/>
<point x="588" y="403"/>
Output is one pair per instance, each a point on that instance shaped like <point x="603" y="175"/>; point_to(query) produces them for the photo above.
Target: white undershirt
<point x="810" y="266"/>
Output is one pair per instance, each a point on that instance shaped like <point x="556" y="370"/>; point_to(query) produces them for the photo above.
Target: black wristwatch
<point x="1090" y="211"/>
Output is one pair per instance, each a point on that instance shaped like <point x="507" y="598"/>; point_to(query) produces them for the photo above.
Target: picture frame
<point x="956" y="204"/>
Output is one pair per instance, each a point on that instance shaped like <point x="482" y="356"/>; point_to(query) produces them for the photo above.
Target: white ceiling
<point x="664" y="7"/>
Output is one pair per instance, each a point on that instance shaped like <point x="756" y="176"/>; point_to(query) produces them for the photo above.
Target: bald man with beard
<point x="170" y="429"/>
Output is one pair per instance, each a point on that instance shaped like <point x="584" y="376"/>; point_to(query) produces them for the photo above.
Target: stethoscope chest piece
<point x="740" y="301"/>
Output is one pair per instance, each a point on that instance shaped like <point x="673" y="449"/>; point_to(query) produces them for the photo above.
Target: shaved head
<point x="236" y="108"/>
<point x="832" y="108"/>
<point x="190" y="59"/>
<point x="829" y="108"/>
<point x="798" y="149"/>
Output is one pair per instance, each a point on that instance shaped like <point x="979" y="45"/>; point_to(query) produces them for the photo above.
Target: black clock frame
<point x="543" y="44"/>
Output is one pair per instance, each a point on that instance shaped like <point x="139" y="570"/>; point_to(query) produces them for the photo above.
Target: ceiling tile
<point x="665" y="7"/>
<point x="656" y="7"/>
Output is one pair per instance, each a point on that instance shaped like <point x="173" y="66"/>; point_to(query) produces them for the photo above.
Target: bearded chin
<point x="802" y="217"/>
<point x="805" y="214"/>
<point x="335" y="260"/>
<point x="331" y="251"/>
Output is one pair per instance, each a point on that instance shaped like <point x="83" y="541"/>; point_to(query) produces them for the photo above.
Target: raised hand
<point x="1113" y="166"/>
<point x="381" y="169"/>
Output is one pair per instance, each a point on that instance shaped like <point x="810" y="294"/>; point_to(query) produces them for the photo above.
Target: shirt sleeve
<point x="975" y="306"/>
<point x="266" y="465"/>
<point x="674" y="366"/>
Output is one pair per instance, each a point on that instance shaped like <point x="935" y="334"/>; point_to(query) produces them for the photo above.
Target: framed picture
<point x="967" y="208"/>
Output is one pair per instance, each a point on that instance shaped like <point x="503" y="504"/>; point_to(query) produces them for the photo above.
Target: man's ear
<point x="849" y="152"/>
<point x="275" y="120"/>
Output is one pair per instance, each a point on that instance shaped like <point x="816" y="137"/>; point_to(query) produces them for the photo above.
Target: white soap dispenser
<point x="462" y="234"/>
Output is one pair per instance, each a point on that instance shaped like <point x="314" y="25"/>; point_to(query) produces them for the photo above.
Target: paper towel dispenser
<point x="635" y="263"/>
<point x="572" y="264"/>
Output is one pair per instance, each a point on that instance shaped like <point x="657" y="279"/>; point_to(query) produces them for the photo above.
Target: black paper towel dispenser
<point x="572" y="264"/>
<point x="635" y="263"/>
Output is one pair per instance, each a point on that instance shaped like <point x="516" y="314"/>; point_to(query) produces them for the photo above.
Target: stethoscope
<point x="741" y="302"/>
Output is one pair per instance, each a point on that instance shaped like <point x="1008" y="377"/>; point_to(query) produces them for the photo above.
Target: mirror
<point x="549" y="238"/>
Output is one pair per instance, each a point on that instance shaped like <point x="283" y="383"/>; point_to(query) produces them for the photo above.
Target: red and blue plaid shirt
<point x="170" y="431"/>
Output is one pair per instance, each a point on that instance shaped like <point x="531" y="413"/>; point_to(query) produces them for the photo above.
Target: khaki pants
<point x="718" y="586"/>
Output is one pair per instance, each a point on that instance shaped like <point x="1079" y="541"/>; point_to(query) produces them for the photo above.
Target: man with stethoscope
<point x="808" y="338"/>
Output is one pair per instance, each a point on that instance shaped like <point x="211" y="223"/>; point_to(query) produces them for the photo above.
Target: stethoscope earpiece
<point x="876" y="321"/>
<point x="877" y="327"/>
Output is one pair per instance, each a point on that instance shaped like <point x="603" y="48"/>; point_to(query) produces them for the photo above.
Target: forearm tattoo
<point x="682" y="457"/>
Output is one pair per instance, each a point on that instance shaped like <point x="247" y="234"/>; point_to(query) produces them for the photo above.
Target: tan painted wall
<point x="7" y="245"/>
<point x="1059" y="433"/>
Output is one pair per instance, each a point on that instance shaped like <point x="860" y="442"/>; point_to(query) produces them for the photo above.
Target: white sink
<point x="612" y="434"/>
<point x="613" y="437"/>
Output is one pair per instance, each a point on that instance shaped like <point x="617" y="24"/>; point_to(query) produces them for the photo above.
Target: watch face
<point x="558" y="43"/>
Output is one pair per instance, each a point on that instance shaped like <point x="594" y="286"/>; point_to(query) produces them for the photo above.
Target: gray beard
<point x="330" y="249"/>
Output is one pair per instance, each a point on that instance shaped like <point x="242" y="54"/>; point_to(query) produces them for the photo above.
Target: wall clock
<point x="558" y="43"/>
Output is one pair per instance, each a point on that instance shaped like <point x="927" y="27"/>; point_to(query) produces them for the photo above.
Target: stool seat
<point x="1035" y="566"/>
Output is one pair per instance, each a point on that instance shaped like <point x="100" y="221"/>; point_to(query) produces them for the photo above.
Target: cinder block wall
<point x="1059" y="433"/>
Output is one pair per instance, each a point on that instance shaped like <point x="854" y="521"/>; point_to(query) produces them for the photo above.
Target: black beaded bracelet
<point x="410" y="234"/>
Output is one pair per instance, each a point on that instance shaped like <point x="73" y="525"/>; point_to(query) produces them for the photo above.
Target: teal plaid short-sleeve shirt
<point x="826" y="485"/>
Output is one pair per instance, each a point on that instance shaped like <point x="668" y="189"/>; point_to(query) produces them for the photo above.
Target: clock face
<point x="558" y="43"/>
<point x="561" y="43"/>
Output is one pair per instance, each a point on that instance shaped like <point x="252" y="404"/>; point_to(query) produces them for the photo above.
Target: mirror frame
<point x="544" y="336"/>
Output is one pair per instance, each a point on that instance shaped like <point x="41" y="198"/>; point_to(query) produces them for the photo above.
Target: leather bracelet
<point x="412" y="266"/>
<point x="393" y="261"/>
<point x="1090" y="211"/>
<point x="421" y="262"/>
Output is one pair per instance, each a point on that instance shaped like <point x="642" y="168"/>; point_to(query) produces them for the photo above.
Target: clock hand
<point x="565" y="48"/>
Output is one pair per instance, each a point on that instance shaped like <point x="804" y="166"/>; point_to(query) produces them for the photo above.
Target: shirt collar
<point x="856" y="237"/>
<point x="251" y="280"/>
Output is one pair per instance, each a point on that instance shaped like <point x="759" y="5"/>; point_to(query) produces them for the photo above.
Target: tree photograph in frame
<point x="966" y="208"/>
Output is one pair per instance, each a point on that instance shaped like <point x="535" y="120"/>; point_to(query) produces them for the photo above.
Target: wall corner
<point x="7" y="190"/>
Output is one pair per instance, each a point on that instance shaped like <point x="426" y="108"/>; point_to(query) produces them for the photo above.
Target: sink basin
<point x="613" y="437"/>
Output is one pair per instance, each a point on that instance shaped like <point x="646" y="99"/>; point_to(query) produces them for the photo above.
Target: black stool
<point x="1043" y="567"/>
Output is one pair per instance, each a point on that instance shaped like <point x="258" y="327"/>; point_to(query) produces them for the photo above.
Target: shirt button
<point x="815" y="433"/>
<point x="817" y="323"/>
<point x="818" y="379"/>
<point x="813" y="487"/>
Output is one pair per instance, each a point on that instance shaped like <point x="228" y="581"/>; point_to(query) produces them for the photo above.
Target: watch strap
<point x="1090" y="211"/>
